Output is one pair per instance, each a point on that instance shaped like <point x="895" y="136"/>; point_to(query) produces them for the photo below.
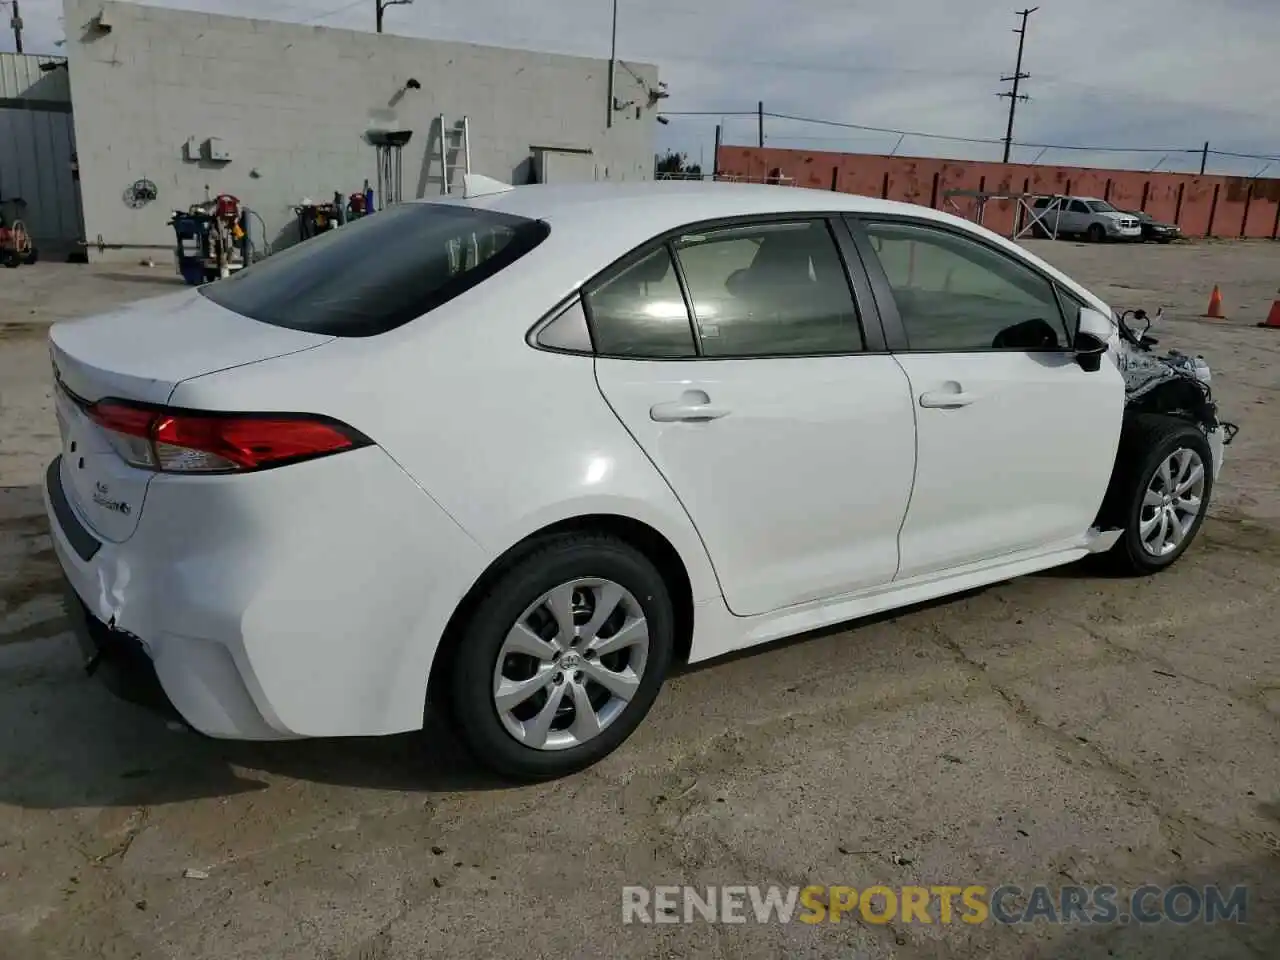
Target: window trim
<point x="867" y="316"/>
<point x="895" y="330"/>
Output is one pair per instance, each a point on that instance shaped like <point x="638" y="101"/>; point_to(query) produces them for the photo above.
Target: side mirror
<point x="1093" y="334"/>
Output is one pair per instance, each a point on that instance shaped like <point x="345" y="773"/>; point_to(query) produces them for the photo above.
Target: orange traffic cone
<point x="1215" y="305"/>
<point x="1273" y="318"/>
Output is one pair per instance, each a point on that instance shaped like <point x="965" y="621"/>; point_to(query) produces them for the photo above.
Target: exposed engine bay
<point x="1172" y="383"/>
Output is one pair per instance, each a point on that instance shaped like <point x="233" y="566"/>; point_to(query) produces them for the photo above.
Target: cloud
<point x="1165" y="75"/>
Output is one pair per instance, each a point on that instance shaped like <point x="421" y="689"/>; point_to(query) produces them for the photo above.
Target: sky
<point x="1163" y="75"/>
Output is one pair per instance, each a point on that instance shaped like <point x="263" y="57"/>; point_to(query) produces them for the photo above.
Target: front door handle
<point x="952" y="396"/>
<point x="694" y="406"/>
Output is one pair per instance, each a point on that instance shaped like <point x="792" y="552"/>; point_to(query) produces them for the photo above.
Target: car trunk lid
<point x="140" y="353"/>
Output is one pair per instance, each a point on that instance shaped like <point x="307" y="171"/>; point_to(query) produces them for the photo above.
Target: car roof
<point x="682" y="201"/>
<point x="595" y="223"/>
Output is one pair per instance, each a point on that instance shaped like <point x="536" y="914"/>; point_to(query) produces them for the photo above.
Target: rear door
<point x="739" y="359"/>
<point x="1015" y="440"/>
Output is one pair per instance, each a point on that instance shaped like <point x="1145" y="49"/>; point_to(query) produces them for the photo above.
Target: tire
<point x="32" y="256"/>
<point x="1096" y="233"/>
<point x="589" y="566"/>
<point x="1147" y="442"/>
<point x="11" y="258"/>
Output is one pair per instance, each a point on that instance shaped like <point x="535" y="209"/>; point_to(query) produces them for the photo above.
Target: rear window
<point x="379" y="272"/>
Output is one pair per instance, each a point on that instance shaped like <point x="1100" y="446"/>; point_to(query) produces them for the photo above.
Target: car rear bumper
<point x="261" y="618"/>
<point x="118" y="658"/>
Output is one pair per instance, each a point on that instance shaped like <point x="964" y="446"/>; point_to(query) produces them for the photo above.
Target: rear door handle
<point x="945" y="400"/>
<point x="694" y="406"/>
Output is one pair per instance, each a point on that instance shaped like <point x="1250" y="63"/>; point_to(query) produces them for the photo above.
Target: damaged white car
<point x="515" y="453"/>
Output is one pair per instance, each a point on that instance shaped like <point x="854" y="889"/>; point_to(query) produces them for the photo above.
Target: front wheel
<point x="1096" y="233"/>
<point x="1159" y="491"/>
<point x="563" y="657"/>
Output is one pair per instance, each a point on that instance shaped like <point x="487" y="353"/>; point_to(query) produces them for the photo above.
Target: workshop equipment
<point x="16" y="245"/>
<point x="212" y="239"/>
<point x="455" y="151"/>
<point x="314" y="218"/>
<point x="388" y="145"/>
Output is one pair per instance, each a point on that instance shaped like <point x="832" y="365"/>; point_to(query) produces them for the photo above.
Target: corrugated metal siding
<point x="35" y="164"/>
<point x="21" y="77"/>
<point x="37" y="142"/>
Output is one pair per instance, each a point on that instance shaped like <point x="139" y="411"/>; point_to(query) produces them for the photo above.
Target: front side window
<point x="380" y="271"/>
<point x="770" y="289"/>
<point x="1101" y="206"/>
<point x="1077" y="206"/>
<point x="640" y="312"/>
<point x="957" y="295"/>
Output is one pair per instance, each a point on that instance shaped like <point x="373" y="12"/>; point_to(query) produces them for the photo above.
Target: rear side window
<point x="773" y="289"/>
<point x="640" y="311"/>
<point x="379" y="272"/>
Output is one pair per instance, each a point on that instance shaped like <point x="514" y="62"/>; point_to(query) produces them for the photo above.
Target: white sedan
<point x="518" y="451"/>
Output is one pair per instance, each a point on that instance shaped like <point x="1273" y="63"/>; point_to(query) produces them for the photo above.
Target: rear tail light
<point x="185" y="441"/>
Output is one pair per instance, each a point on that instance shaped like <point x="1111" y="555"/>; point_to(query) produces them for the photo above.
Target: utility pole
<point x="16" y="23"/>
<point x="1204" y="154"/>
<point x="760" y="123"/>
<point x="613" y="67"/>
<point x="1017" y="77"/>
<point x="379" y="5"/>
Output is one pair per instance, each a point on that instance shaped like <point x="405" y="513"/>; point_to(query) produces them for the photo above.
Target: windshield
<point x="1100" y="206"/>
<point x="379" y="272"/>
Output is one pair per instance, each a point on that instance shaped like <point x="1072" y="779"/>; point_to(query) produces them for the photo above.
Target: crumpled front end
<point x="1177" y="384"/>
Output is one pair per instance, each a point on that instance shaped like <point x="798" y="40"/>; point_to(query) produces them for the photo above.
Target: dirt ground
<point x="1063" y="728"/>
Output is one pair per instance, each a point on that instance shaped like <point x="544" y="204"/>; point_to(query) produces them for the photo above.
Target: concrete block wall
<point x="292" y="103"/>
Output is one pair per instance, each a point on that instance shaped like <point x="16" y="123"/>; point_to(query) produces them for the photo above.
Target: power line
<point x="897" y="132"/>
<point x="330" y="13"/>
<point x="1017" y="77"/>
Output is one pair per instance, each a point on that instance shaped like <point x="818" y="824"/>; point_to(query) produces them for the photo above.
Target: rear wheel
<point x="1159" y="491"/>
<point x="562" y="658"/>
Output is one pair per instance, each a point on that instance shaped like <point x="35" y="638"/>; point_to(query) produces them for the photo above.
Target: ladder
<point x="455" y="145"/>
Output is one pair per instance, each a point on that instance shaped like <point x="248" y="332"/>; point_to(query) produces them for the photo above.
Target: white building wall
<point x="291" y="104"/>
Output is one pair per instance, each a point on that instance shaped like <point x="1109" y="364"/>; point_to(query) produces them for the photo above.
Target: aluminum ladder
<point x="455" y="151"/>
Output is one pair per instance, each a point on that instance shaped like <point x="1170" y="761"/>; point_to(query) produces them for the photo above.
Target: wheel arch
<point x="651" y="542"/>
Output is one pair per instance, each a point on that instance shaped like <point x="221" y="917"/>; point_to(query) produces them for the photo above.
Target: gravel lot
<point x="1060" y="728"/>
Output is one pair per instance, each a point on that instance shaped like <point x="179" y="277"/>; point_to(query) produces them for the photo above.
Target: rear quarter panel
<point x="505" y="438"/>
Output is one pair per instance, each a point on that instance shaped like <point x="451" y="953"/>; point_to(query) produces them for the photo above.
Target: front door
<point x="1015" y="440"/>
<point x="791" y="447"/>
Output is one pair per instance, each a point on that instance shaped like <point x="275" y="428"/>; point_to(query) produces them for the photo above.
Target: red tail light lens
<point x="183" y="441"/>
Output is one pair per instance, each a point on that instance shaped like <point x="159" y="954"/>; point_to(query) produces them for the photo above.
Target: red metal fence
<point x="1201" y="206"/>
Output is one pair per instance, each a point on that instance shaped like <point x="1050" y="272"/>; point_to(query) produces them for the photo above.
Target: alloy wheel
<point x="570" y="664"/>
<point x="1172" y="502"/>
